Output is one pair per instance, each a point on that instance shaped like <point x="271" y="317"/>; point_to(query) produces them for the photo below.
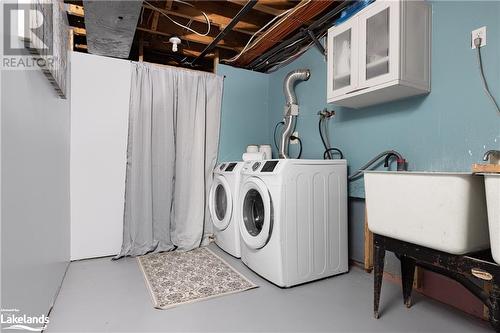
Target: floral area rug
<point x="175" y="278"/>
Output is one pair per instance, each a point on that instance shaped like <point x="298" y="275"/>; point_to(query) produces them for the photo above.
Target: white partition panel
<point x="99" y="125"/>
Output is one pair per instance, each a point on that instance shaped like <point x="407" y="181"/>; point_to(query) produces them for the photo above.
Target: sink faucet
<point x="493" y="156"/>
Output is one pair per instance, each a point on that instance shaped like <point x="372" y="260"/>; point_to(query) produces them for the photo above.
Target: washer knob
<point x="255" y="166"/>
<point x="222" y="166"/>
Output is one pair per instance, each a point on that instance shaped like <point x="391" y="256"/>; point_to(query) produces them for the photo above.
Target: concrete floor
<point x="100" y="295"/>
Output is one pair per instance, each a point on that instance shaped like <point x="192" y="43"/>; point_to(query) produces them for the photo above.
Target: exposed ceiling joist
<point x="229" y="10"/>
<point x="153" y="31"/>
<point x="80" y="31"/>
<point x="191" y="13"/>
<point x="161" y="43"/>
<point x="290" y="22"/>
<point x="237" y="18"/>
<point x="260" y="7"/>
<point x="76" y="10"/>
<point x="205" y="40"/>
<point x="280" y="3"/>
<point x="234" y="41"/>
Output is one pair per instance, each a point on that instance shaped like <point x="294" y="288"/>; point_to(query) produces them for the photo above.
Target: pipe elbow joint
<point x="289" y="84"/>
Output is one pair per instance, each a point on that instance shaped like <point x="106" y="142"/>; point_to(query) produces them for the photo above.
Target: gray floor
<point x="103" y="296"/>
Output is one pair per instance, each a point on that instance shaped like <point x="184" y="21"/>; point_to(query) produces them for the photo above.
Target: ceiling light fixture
<point x="175" y="41"/>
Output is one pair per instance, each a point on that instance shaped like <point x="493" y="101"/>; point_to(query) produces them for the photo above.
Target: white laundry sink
<point x="440" y="210"/>
<point x="492" y="186"/>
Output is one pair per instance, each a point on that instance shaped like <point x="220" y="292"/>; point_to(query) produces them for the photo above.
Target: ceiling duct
<point x="111" y="26"/>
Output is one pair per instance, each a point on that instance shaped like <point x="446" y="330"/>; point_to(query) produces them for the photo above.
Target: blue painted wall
<point x="447" y="130"/>
<point x="245" y="111"/>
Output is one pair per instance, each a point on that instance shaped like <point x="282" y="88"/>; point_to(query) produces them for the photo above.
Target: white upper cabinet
<point x="343" y="59"/>
<point x="380" y="54"/>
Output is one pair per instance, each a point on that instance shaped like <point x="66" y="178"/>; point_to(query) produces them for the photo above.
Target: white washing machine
<point x="293" y="219"/>
<point x="222" y="203"/>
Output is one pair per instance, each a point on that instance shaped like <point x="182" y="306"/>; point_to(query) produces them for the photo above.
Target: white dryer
<point x="222" y="203"/>
<point x="293" y="219"/>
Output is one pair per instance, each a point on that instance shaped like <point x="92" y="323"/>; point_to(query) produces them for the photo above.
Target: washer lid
<point x="220" y="203"/>
<point x="256" y="217"/>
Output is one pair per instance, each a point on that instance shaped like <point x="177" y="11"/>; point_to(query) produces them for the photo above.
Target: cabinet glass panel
<point x="377" y="44"/>
<point x="342" y="60"/>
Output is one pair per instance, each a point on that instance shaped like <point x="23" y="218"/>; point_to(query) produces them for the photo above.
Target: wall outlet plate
<point x="481" y="32"/>
<point x="294" y="142"/>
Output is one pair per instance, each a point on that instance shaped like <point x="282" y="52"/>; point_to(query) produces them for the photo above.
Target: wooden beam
<point x="75" y="10"/>
<point x="286" y="25"/>
<point x="227" y="29"/>
<point x="192" y="38"/>
<point x="154" y="23"/>
<point x="72" y="39"/>
<point x="79" y="31"/>
<point x="228" y="10"/>
<point x="194" y="14"/>
<point x="161" y="43"/>
<point x="159" y="58"/>
<point x="278" y="3"/>
<point x="141" y="47"/>
<point x="216" y="60"/>
<point x="81" y="46"/>
<point x="157" y="13"/>
<point x="234" y="39"/>
<point x="261" y="8"/>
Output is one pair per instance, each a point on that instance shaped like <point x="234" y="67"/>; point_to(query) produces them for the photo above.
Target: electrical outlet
<point x="294" y="142"/>
<point x="481" y="32"/>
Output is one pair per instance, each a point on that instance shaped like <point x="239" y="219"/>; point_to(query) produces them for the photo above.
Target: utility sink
<point x="492" y="184"/>
<point x="444" y="211"/>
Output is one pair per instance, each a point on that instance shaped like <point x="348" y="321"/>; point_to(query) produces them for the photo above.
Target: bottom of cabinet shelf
<point x="391" y="91"/>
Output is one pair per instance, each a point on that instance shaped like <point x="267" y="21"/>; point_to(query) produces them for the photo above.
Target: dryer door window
<point x="256" y="215"/>
<point x="220" y="203"/>
<point x="253" y="212"/>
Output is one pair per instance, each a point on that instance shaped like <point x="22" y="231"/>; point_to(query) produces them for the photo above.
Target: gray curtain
<point x="172" y="149"/>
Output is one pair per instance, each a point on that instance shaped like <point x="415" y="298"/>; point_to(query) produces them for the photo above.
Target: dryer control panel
<point x="231" y="167"/>
<point x="261" y="166"/>
<point x="269" y="166"/>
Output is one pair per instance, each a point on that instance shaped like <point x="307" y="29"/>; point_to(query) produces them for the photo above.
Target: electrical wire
<point x="274" y="135"/>
<point x="320" y="25"/>
<point x="278" y="53"/>
<point x="180" y="24"/>
<point x="320" y="129"/>
<point x="275" y="66"/>
<point x="293" y="137"/>
<point x="477" y="43"/>
<point x="323" y="127"/>
<point x="326" y="131"/>
<point x="327" y="153"/>
<point x="291" y="10"/>
<point x="284" y="52"/>
<point x="279" y="64"/>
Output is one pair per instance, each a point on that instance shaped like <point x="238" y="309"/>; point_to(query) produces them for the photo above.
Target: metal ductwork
<point x="111" y="26"/>
<point x="291" y="107"/>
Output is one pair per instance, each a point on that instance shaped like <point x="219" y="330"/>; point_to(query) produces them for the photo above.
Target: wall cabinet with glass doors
<point x="380" y="54"/>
